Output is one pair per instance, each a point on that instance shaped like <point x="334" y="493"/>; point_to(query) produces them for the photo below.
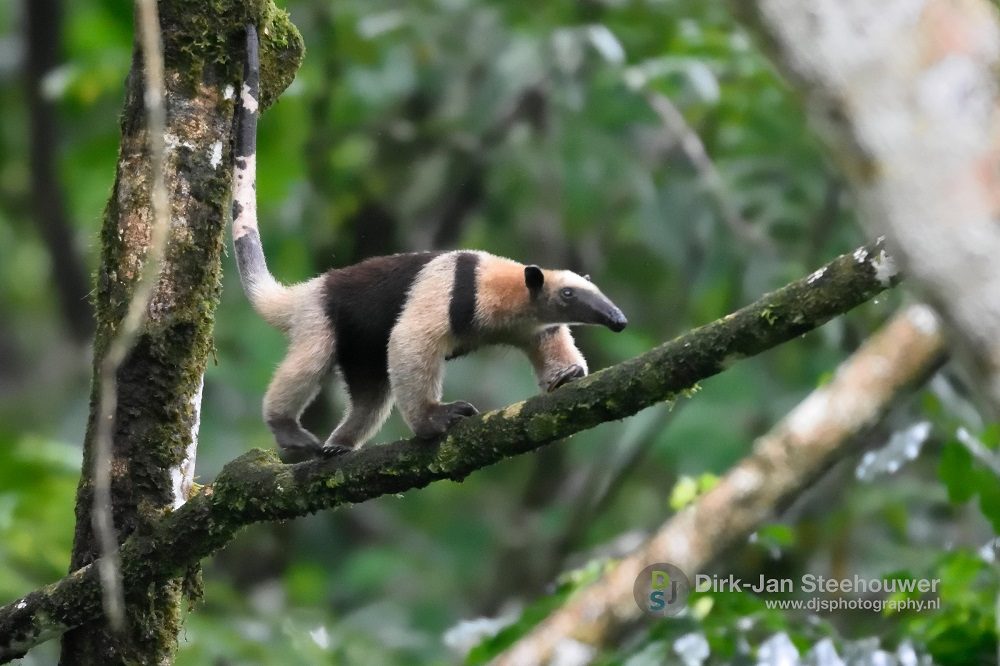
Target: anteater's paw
<point x="333" y="449"/>
<point x="296" y="454"/>
<point x="295" y="443"/>
<point x="564" y="376"/>
<point x="441" y="417"/>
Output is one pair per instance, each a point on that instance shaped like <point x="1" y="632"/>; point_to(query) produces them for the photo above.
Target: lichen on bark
<point x="160" y="381"/>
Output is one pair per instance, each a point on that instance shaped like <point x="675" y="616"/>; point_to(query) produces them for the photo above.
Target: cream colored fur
<point x="551" y="353"/>
<point x="298" y="310"/>
<point x="421" y="340"/>
<point x="418" y="343"/>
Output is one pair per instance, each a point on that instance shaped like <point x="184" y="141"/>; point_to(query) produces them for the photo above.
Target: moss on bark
<point x="159" y="383"/>
<point x="204" y="38"/>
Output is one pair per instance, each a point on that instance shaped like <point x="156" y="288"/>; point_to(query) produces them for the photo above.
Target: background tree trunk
<point x="43" y="19"/>
<point x="906" y="93"/>
<point x="160" y="383"/>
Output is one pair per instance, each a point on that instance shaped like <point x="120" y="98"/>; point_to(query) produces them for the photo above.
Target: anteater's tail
<point x="269" y="297"/>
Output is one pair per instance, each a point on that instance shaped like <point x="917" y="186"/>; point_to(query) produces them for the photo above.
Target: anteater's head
<point x="563" y="297"/>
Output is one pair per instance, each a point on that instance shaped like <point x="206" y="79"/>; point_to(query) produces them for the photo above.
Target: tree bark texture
<point x="160" y="382"/>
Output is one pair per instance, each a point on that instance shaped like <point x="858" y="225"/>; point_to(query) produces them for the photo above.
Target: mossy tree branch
<point x="257" y="487"/>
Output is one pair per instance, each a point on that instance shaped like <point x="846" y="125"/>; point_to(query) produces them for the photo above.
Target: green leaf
<point x="776" y="536"/>
<point x="991" y="436"/>
<point x="988" y="485"/>
<point x="955" y="471"/>
<point x="706" y="482"/>
<point x="684" y="492"/>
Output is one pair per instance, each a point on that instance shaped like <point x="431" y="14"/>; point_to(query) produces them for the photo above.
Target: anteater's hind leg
<point x="370" y="404"/>
<point x="295" y="384"/>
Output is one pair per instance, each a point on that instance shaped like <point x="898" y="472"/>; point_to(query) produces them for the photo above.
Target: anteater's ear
<point x="587" y="278"/>
<point x="533" y="278"/>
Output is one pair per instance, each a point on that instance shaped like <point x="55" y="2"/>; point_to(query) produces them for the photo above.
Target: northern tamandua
<point x="389" y="323"/>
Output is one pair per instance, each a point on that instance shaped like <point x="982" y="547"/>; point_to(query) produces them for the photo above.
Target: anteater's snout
<point x="616" y="320"/>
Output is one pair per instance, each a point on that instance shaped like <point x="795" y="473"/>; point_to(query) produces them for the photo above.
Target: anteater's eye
<point x="567" y="293"/>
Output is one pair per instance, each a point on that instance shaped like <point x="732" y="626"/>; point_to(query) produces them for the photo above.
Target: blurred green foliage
<point x="526" y="129"/>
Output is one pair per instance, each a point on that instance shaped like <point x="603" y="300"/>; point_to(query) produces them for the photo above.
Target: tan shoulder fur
<point x="501" y="295"/>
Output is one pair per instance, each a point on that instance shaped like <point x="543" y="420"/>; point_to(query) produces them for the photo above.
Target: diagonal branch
<point x="256" y="487"/>
<point x="784" y="462"/>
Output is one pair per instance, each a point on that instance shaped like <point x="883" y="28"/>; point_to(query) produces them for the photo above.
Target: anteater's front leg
<point x="555" y="357"/>
<point x="416" y="372"/>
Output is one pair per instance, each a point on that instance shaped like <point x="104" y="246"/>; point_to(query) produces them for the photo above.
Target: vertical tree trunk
<point x="906" y="93"/>
<point x="159" y="384"/>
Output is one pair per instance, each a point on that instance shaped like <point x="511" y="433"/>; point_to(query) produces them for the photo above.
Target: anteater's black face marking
<point x="580" y="303"/>
<point x="462" y="310"/>
<point x="589" y="307"/>
<point x="363" y="304"/>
